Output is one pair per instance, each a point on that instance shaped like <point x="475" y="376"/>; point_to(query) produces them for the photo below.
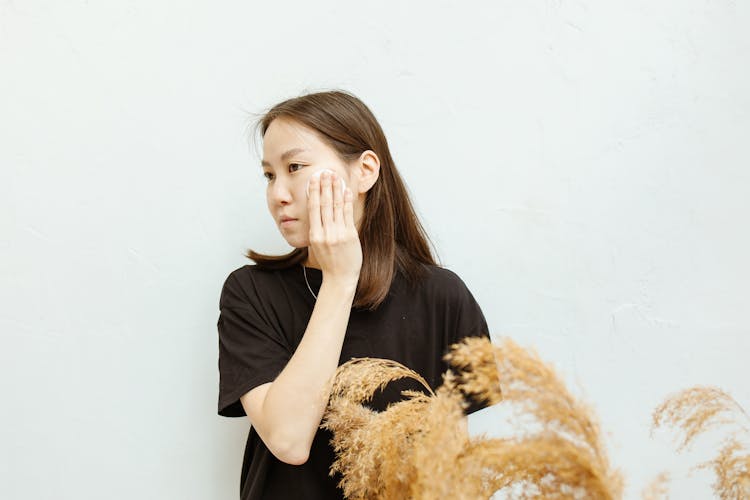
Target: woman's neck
<point x="311" y="261"/>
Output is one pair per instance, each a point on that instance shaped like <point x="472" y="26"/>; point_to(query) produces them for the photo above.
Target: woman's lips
<point x="288" y="222"/>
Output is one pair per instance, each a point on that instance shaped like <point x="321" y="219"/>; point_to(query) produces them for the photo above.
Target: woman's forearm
<point x="296" y="400"/>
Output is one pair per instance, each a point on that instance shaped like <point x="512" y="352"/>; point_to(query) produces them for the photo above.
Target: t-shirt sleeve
<point x="468" y="321"/>
<point x="251" y="351"/>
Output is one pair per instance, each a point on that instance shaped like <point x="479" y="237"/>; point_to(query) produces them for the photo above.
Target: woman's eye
<point x="269" y="175"/>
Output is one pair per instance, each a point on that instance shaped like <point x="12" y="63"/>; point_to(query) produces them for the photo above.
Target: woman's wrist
<point x="345" y="286"/>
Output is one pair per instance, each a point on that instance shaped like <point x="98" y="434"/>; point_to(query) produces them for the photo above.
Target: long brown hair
<point x="392" y="237"/>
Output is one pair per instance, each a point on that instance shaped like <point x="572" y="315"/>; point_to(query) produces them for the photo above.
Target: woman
<point x="360" y="282"/>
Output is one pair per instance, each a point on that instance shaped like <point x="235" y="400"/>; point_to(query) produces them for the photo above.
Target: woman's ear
<point x="368" y="168"/>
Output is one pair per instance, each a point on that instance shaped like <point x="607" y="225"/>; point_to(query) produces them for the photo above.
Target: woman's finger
<point x="338" y="203"/>
<point x="313" y="206"/>
<point x="326" y="201"/>
<point x="349" y="208"/>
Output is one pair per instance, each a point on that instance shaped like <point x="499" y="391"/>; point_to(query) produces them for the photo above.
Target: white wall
<point x="582" y="165"/>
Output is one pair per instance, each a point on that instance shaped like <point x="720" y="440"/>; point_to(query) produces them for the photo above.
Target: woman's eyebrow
<point x="285" y="155"/>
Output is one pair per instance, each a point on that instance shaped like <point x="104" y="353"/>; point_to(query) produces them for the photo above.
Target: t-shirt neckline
<point x="314" y="275"/>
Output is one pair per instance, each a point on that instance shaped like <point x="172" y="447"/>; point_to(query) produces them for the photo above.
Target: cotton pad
<point x="317" y="174"/>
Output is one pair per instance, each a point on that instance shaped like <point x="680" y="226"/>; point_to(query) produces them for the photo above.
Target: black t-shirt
<point x="263" y="316"/>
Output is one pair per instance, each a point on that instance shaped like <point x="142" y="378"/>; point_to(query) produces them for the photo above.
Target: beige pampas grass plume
<point x="694" y="411"/>
<point x="567" y="459"/>
<point x="658" y="488"/>
<point x="419" y="448"/>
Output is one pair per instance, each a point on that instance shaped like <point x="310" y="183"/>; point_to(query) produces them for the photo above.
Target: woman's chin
<point x="297" y="242"/>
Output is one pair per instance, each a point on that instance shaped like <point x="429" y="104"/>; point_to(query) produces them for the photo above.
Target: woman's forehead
<point x="285" y="137"/>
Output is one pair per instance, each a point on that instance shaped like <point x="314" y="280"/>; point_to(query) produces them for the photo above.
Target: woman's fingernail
<point x="315" y="176"/>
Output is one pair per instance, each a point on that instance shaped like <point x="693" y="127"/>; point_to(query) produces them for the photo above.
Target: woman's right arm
<point x="286" y="413"/>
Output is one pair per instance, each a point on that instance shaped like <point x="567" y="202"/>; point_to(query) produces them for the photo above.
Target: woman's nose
<point x="281" y="192"/>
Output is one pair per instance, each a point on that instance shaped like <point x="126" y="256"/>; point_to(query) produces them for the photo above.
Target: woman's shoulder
<point x="442" y="281"/>
<point x="249" y="272"/>
<point x="245" y="282"/>
<point x="439" y="275"/>
<point x="244" y="275"/>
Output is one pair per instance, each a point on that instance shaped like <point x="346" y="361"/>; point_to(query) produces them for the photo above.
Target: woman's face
<point x="292" y="152"/>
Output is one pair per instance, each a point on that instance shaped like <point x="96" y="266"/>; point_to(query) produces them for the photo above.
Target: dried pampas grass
<point x="696" y="410"/>
<point x="657" y="488"/>
<point x="419" y="448"/>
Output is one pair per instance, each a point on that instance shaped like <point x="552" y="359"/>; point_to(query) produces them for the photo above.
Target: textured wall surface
<point x="583" y="166"/>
